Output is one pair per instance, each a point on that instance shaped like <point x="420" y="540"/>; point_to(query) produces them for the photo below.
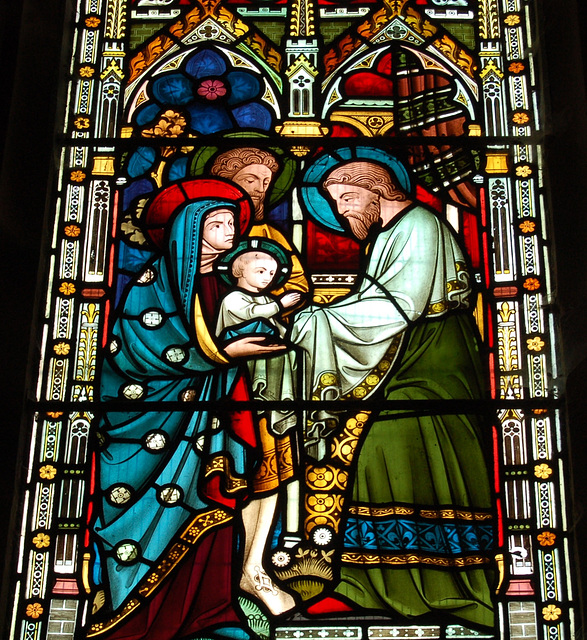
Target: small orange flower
<point x="48" y="472"/>
<point x="55" y="414"/>
<point x="86" y="72"/>
<point x="67" y="288"/>
<point x="531" y="284"/>
<point x="542" y="471"/>
<point x="512" y="20"/>
<point x="72" y="230"/>
<point x="551" y="612"/>
<point x="320" y="477"/>
<point x="521" y="118"/>
<point x="171" y="125"/>
<point x="527" y="226"/>
<point x="523" y="171"/>
<point x="61" y="348"/>
<point x="535" y="344"/>
<point x="516" y="67"/>
<point x="82" y="123"/>
<point x="77" y="176"/>
<point x="322" y="502"/>
<point x="34" y="610"/>
<point x="546" y="538"/>
<point x="41" y="540"/>
<point x="92" y="22"/>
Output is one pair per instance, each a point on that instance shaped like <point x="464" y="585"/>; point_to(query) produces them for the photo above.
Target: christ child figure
<point x="258" y="266"/>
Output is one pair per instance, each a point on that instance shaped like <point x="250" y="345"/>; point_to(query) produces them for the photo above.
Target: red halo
<point x="177" y="195"/>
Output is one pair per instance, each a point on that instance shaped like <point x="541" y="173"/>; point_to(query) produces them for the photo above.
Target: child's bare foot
<point x="255" y="581"/>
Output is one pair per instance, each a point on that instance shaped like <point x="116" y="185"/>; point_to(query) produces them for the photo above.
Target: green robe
<point x="421" y="540"/>
<point x="418" y="530"/>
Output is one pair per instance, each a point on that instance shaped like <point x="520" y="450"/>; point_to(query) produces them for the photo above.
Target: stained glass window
<point x="298" y="357"/>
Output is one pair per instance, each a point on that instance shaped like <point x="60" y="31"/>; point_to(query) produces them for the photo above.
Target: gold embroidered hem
<point x="221" y="464"/>
<point x="199" y="525"/>
<point x="377" y="375"/>
<point x="453" y="287"/>
<point x="455" y="514"/>
<point x="329" y="380"/>
<point x="445" y="514"/>
<point x="375" y="512"/>
<point x="412" y="558"/>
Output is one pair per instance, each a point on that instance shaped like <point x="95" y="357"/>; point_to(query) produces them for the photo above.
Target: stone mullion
<point x="511" y="378"/>
<point x="48" y="600"/>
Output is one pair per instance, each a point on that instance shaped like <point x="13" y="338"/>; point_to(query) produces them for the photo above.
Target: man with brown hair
<point x="252" y="169"/>
<point x="418" y="528"/>
<point x="364" y="187"/>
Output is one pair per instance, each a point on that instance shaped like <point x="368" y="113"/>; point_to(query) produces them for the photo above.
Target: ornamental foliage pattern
<point x="342" y="146"/>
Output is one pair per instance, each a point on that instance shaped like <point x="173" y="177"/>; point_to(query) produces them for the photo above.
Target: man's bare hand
<point x="251" y="346"/>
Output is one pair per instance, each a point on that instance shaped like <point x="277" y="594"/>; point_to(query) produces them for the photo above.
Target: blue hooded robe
<point x="156" y="464"/>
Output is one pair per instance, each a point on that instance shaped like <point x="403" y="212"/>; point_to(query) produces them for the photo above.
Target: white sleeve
<point x="238" y="307"/>
<point x="350" y="337"/>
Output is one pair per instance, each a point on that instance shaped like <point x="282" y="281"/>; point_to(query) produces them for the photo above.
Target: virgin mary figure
<point x="173" y="475"/>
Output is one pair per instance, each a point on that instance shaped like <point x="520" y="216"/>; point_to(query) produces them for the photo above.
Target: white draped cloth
<point x="240" y="306"/>
<point x="414" y="268"/>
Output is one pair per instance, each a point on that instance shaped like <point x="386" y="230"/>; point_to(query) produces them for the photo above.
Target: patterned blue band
<point x="400" y="534"/>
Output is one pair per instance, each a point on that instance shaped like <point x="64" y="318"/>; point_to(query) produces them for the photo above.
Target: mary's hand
<point x="251" y="346"/>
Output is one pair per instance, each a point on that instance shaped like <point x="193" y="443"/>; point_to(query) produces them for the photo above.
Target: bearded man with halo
<point x="418" y="522"/>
